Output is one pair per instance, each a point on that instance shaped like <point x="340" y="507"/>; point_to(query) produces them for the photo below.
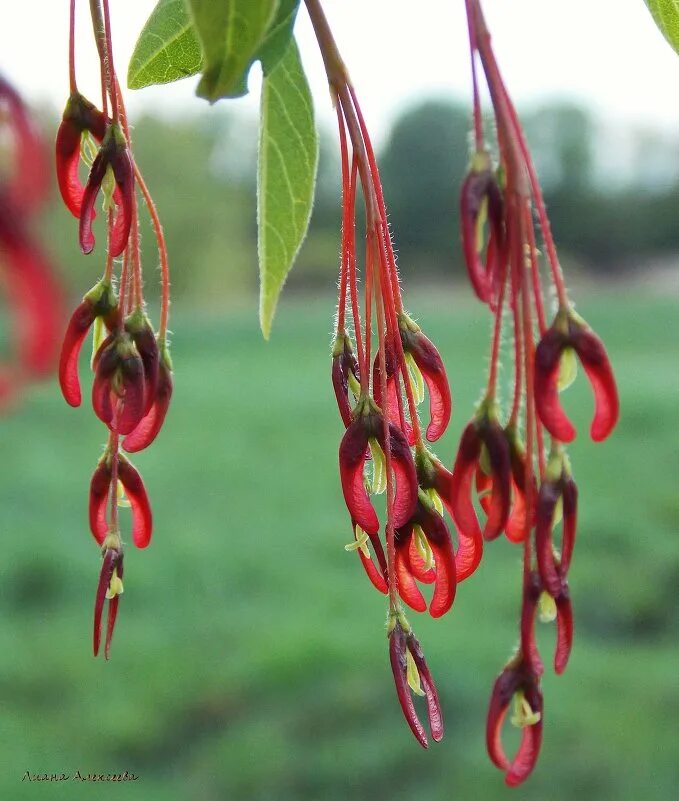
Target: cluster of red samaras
<point x="505" y="478"/>
<point x="33" y="292"/>
<point x="132" y="384"/>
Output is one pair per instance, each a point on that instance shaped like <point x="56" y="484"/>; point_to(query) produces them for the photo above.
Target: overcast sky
<point x="607" y="53"/>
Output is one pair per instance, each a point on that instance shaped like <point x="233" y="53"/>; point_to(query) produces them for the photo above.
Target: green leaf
<point x="288" y="157"/>
<point x="231" y="32"/>
<point x="278" y="36"/>
<point x="167" y="48"/>
<point x="666" y="16"/>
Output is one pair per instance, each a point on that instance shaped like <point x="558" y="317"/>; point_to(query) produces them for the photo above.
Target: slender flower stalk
<point x="132" y="384"/>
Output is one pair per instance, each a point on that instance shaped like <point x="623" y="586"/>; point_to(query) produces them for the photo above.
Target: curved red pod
<point x="397" y="658"/>
<point x="149" y="426"/>
<point x="76" y="331"/>
<point x="551" y="576"/>
<point x="547" y="402"/>
<point x="566" y="332"/>
<point x="343" y="362"/>
<point x="100" y="486"/>
<point x="68" y="162"/>
<point x="438" y="537"/>
<point x="79" y="115"/>
<point x="594" y="359"/>
<point x="478" y="185"/>
<point x="111" y="622"/>
<point x="377" y="573"/>
<point x="405" y="581"/>
<point x="114" y="153"/>
<point x="460" y="495"/>
<point x="511" y="680"/>
<point x="111" y="559"/>
<point x="352" y="458"/>
<point x="142" y="517"/>
<point x="433" y="705"/>
<point x="564" y="631"/>
<point x="429" y="362"/>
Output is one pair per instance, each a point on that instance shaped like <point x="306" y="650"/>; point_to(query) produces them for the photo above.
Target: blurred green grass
<point x="250" y="662"/>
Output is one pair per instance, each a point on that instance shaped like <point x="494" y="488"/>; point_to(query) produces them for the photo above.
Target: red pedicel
<point x="482" y="431"/>
<point x="118" y="390"/>
<point x="399" y="643"/>
<point x="113" y="561"/>
<point x="149" y="426"/>
<point x="569" y="331"/>
<point x="114" y="153"/>
<point x="429" y="362"/>
<point x="478" y="189"/>
<point x="79" y="116"/>
<point x="438" y="538"/>
<point x="516" y="677"/>
<point x="343" y="363"/>
<point x="353" y="452"/>
<point x="100" y="301"/>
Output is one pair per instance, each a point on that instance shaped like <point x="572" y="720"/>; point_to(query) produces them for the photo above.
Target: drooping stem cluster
<point x="511" y="474"/>
<point x="132" y="384"/>
<point x="381" y="361"/>
<point x="523" y="477"/>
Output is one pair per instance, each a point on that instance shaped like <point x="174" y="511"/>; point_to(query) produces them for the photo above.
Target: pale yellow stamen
<point x="115" y="586"/>
<point x="523" y="714"/>
<point x="354" y="386"/>
<point x="416" y="380"/>
<point x="120" y="494"/>
<point x="546" y="608"/>
<point x="98" y="336"/>
<point x="379" y="477"/>
<point x="568" y="369"/>
<point x="436" y="500"/>
<point x="423" y="548"/>
<point x="360" y="543"/>
<point x="413" y="675"/>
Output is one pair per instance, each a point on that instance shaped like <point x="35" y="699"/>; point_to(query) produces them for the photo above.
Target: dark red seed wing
<point x="501" y="471"/>
<point x="397" y="657"/>
<point x="77" y="329"/>
<point x="548" y="497"/>
<point x="352" y="456"/>
<point x="460" y="489"/>
<point x="547" y="402"/>
<point x="430" y="364"/>
<point x="564" y="632"/>
<point x="142" y="517"/>
<point x="99" y="497"/>
<point x="149" y="426"/>
<point x="595" y="361"/>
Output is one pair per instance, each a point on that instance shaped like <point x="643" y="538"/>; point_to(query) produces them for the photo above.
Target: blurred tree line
<point x="613" y="196"/>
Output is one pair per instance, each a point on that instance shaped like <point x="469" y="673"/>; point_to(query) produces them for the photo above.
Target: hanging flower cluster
<point x="506" y="479"/>
<point x="132" y="384"/>
<point x="384" y="448"/>
<point x="517" y="470"/>
<point x="33" y="292"/>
